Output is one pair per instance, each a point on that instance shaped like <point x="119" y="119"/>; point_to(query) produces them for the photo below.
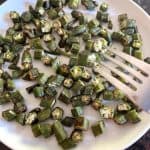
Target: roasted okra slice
<point x="68" y="121"/>
<point x="76" y="72"/>
<point x="98" y="128"/>
<point x="89" y="4"/>
<point x="48" y="102"/>
<point x="65" y="96"/>
<point x="46" y="130"/>
<point x="20" y="118"/>
<point x="86" y="75"/>
<point x="1" y="85"/>
<point x="68" y="144"/>
<point x="63" y="70"/>
<point x="31" y="118"/>
<point x="86" y="99"/>
<point x="15" y="17"/>
<point x="118" y="94"/>
<point x="77" y="111"/>
<point x="77" y="136"/>
<point x="81" y="123"/>
<point x="78" y="30"/>
<point x="26" y="17"/>
<point x="108" y="95"/>
<point x="120" y="118"/>
<point x="104" y="7"/>
<point x="20" y="107"/>
<point x="16" y="96"/>
<point x="68" y="83"/>
<point x="38" y="91"/>
<point x="59" y="131"/>
<point x="57" y="113"/>
<point x="97" y="104"/>
<point x="133" y="116"/>
<point x="78" y="87"/>
<point x="5" y="98"/>
<point x="123" y="107"/>
<point x="51" y="90"/>
<point x="74" y="4"/>
<point x="36" y="130"/>
<point x="9" y="115"/>
<point x="107" y="112"/>
<point x="38" y="53"/>
<point x="44" y="114"/>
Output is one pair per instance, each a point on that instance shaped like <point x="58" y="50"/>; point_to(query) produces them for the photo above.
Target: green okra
<point x="59" y="131"/>
<point x="68" y="121"/>
<point x="45" y="130"/>
<point x="20" y="118"/>
<point x="74" y="4"/>
<point x="20" y="107"/>
<point x="48" y="102"/>
<point x="9" y="115"/>
<point x="120" y="119"/>
<point x="68" y="144"/>
<point x="57" y="113"/>
<point x="98" y="128"/>
<point x="97" y="104"/>
<point x="68" y="83"/>
<point x="77" y="136"/>
<point x="44" y="114"/>
<point x="77" y="111"/>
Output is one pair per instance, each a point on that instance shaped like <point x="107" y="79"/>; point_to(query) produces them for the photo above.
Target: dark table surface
<point x="144" y="142"/>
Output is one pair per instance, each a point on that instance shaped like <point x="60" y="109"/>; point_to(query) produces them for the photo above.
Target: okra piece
<point x="138" y="54"/>
<point x="5" y="98"/>
<point x="133" y="116"/>
<point x="75" y="48"/>
<point x="97" y="104"/>
<point x="44" y="114"/>
<point x="52" y="13"/>
<point x="102" y="16"/>
<point x="15" y="17"/>
<point x="78" y="30"/>
<point x="98" y="84"/>
<point x="1" y="85"/>
<point x="20" y="118"/>
<point x="35" y="43"/>
<point x="118" y="94"/>
<point x="19" y="37"/>
<point x="108" y="95"/>
<point x="10" y="85"/>
<point x="98" y="128"/>
<point x="48" y="102"/>
<point x="68" y="83"/>
<point x="76" y="101"/>
<point x="30" y="88"/>
<point x="104" y="7"/>
<point x="33" y="74"/>
<point x="74" y="4"/>
<point x="5" y="75"/>
<point x="38" y="91"/>
<point x="123" y="107"/>
<point x="77" y="111"/>
<point x="81" y="123"/>
<point x="107" y="112"/>
<point x="36" y="130"/>
<point x="26" y="17"/>
<point x="16" y="97"/>
<point x="86" y="99"/>
<point x="63" y="70"/>
<point x="77" y="136"/>
<point x="31" y="118"/>
<point x="47" y="60"/>
<point x="87" y="36"/>
<point x="68" y="121"/>
<point x="83" y="59"/>
<point x="65" y="96"/>
<point x="64" y="20"/>
<point x="26" y="60"/>
<point x="86" y="76"/>
<point x="42" y="79"/>
<point x="76" y="72"/>
<point x="55" y="80"/>
<point x="128" y="50"/>
<point x="68" y="144"/>
<point x="93" y="23"/>
<point x="9" y="115"/>
<point x="110" y="25"/>
<point x="46" y="130"/>
<point x="56" y="3"/>
<point x="57" y="113"/>
<point x="51" y="90"/>
<point x="59" y="131"/>
<point x="45" y="26"/>
<point x="8" y="56"/>
<point x="89" y="4"/>
<point x="20" y="107"/>
<point x="78" y="87"/>
<point x="73" y="61"/>
<point x="120" y="118"/>
<point x="38" y="53"/>
<point x="89" y="90"/>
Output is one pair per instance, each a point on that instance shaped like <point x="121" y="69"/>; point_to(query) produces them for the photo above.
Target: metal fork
<point x="140" y="96"/>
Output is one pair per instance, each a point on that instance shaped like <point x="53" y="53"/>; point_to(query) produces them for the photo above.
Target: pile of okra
<point x="49" y="33"/>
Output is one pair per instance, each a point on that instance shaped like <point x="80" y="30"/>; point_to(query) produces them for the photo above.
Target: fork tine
<point x="121" y="74"/>
<point x="102" y="71"/>
<point x="138" y="63"/>
<point x="124" y="66"/>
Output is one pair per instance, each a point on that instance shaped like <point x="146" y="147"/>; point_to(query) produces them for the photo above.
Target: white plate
<point x="115" y="137"/>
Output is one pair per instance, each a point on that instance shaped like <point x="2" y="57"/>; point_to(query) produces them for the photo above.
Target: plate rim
<point x="8" y="145"/>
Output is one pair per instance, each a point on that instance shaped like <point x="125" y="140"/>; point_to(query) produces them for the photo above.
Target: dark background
<point x="144" y="142"/>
